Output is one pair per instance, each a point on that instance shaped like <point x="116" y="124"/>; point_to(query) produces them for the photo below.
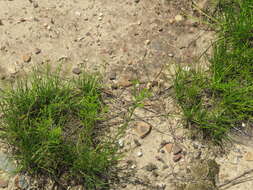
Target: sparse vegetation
<point x="51" y="126"/>
<point x="222" y="99"/>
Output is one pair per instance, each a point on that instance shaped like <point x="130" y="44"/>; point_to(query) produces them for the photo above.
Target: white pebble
<point x="140" y="154"/>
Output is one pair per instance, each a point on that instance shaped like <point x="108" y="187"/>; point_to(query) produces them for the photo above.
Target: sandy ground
<point x="124" y="40"/>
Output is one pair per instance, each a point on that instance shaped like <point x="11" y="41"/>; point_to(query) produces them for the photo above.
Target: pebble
<point x="27" y="58"/>
<point x="177" y="157"/>
<point x="147" y="42"/>
<point x="171" y="55"/>
<point x="179" y="18"/>
<point x="143" y="129"/>
<point x="3" y="183"/>
<point x="121" y="143"/>
<point x="139" y="154"/>
<point x="136" y="1"/>
<point x="177" y="149"/>
<point x="168" y="147"/>
<point x="1" y="22"/>
<point x="77" y="71"/>
<point x="248" y="156"/>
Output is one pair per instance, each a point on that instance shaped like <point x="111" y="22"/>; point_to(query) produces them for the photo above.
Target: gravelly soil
<point x="124" y="40"/>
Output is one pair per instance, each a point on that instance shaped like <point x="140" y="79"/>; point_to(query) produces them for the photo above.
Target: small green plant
<point x="52" y="127"/>
<point x="222" y="99"/>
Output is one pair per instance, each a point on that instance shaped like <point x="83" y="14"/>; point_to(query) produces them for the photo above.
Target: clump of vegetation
<point x="52" y="127"/>
<point x="222" y="99"/>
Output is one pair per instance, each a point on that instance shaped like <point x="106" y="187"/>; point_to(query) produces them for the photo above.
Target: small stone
<point x="177" y="149"/>
<point x="136" y="142"/>
<point x="139" y="154"/>
<point x="151" y="167"/>
<point x="177" y="157"/>
<point x="1" y="22"/>
<point x="179" y="18"/>
<point x="37" y="51"/>
<point x="78" y="13"/>
<point x="136" y="1"/>
<point x="3" y="183"/>
<point x="147" y="42"/>
<point x="168" y="147"/>
<point x="171" y="55"/>
<point x="248" y="156"/>
<point x="143" y="129"/>
<point x="133" y="166"/>
<point x="27" y="58"/>
<point x="77" y="71"/>
<point x="121" y="143"/>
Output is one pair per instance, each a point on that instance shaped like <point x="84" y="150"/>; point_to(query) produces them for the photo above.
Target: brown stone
<point x="143" y="129"/>
<point x="177" y="149"/>
<point x="248" y="156"/>
<point x="3" y="183"/>
<point x="27" y="58"/>
<point x="177" y="157"/>
<point x="168" y="147"/>
<point x="77" y="71"/>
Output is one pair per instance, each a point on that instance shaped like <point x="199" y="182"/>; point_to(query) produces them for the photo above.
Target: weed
<point x="223" y="99"/>
<point x="52" y="127"/>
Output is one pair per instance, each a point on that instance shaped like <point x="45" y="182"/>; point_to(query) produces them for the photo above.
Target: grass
<point x="52" y="127"/>
<point x="222" y="99"/>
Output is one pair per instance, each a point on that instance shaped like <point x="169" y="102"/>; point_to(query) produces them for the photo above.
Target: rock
<point x="147" y="42"/>
<point x="168" y="147"/>
<point x="171" y="55"/>
<point x="136" y="1"/>
<point x="177" y="157"/>
<point x="177" y="149"/>
<point x="143" y="129"/>
<point x="37" y="51"/>
<point x="27" y="58"/>
<point x="121" y="143"/>
<point x="3" y="183"/>
<point x="179" y="18"/>
<point x="248" y="156"/>
<point x="139" y="154"/>
<point x="150" y="167"/>
<point x="77" y="71"/>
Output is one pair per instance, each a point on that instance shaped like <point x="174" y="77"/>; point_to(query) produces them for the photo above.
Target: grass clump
<point x="222" y="99"/>
<point x="52" y="127"/>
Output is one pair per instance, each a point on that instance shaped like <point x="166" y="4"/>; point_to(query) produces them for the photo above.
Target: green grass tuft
<point x="51" y="125"/>
<point x="222" y="99"/>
